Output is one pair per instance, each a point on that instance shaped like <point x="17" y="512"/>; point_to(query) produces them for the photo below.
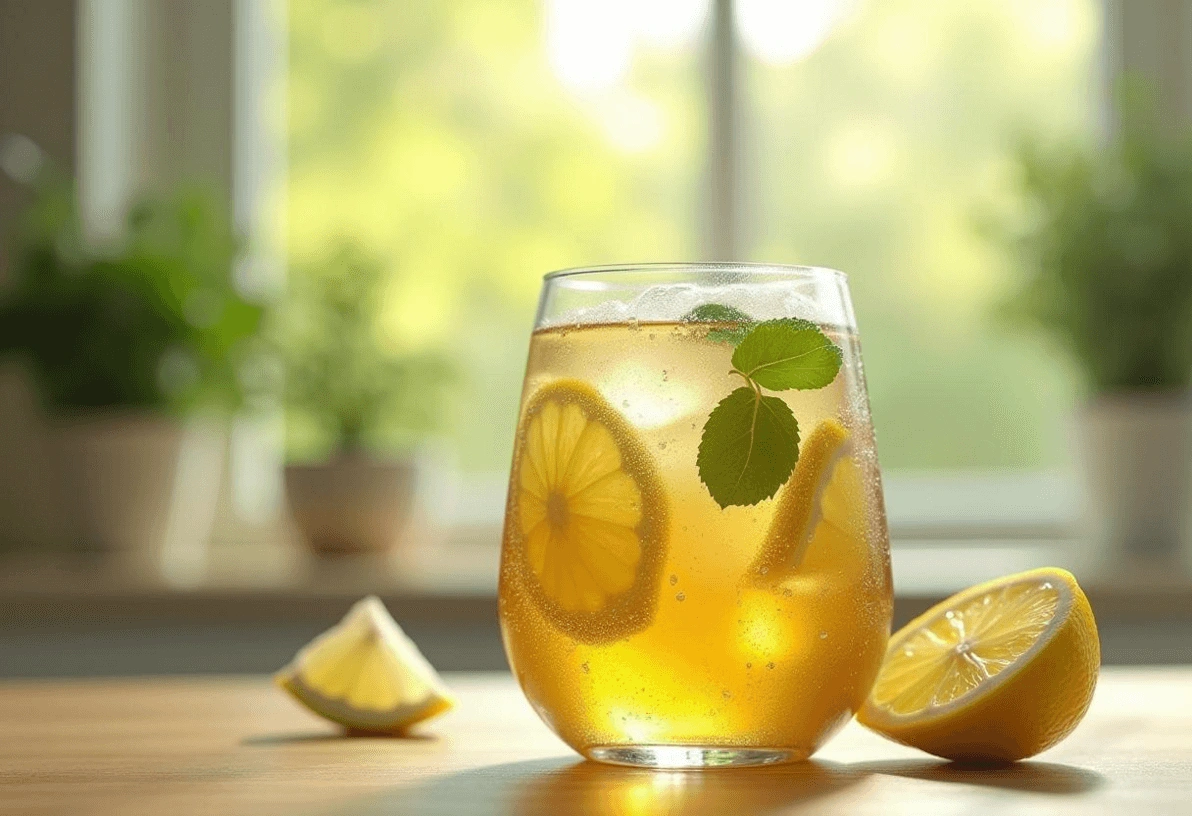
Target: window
<point x="476" y="146"/>
<point x="875" y="147"/>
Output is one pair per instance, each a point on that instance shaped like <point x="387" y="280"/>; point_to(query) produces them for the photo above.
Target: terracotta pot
<point x="352" y="505"/>
<point x="1137" y="457"/>
<point x="143" y="489"/>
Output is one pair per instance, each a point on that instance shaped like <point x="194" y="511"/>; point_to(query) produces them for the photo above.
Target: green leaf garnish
<point x="782" y="354"/>
<point x="740" y="323"/>
<point x="750" y="443"/>
<point x="716" y="313"/>
<point x="749" y="447"/>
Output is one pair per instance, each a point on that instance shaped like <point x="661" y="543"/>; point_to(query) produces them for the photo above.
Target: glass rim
<point x="697" y="267"/>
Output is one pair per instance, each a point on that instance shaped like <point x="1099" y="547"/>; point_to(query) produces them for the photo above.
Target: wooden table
<point x="236" y="745"/>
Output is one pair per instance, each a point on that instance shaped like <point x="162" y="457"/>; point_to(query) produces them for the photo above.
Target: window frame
<point x="1139" y="35"/>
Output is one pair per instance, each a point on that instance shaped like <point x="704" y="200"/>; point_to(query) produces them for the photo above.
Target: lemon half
<point x="365" y="674"/>
<point x="999" y="672"/>
<point x="587" y="521"/>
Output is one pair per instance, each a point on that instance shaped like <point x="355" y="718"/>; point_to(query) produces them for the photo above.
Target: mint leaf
<point x="788" y="353"/>
<point x="751" y="442"/>
<point x="749" y="448"/>
<point x="718" y="313"/>
<point x="732" y="336"/>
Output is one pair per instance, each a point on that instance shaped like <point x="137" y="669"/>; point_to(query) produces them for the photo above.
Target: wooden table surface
<point x="236" y="745"/>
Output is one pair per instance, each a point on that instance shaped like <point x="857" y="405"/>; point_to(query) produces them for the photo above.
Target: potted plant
<point x="1109" y="250"/>
<point x="354" y="408"/>
<point x="135" y="349"/>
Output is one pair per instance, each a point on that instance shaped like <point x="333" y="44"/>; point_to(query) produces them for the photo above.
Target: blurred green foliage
<point x="152" y="322"/>
<point x="877" y="149"/>
<point x="1108" y="245"/>
<point x="438" y="135"/>
<point x="344" y="390"/>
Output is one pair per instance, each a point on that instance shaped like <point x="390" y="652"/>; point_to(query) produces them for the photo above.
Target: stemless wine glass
<point x="676" y="589"/>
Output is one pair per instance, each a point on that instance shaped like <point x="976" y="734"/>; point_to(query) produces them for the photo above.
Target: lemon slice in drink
<point x="822" y="503"/>
<point x="365" y="674"/>
<point x="999" y="672"/>
<point x="588" y="515"/>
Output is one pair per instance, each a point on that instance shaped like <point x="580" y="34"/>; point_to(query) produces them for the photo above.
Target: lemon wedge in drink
<point x="365" y="674"/>
<point x="588" y="515"/>
<point x="998" y="672"/>
<point x="823" y="503"/>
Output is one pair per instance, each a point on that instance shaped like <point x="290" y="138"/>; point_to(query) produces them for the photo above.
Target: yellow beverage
<point x="646" y="623"/>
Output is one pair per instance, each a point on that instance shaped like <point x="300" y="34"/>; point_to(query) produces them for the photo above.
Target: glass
<point x="646" y="624"/>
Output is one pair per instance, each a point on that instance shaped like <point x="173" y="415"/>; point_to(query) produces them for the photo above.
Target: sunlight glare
<point x="1053" y="25"/>
<point x="670" y="23"/>
<point x="589" y="44"/>
<point x="765" y="634"/>
<point x="637" y="392"/>
<point x="631" y="122"/>
<point x="785" y="31"/>
<point x="859" y="156"/>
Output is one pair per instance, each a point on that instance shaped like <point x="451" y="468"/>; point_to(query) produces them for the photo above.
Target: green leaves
<point x="749" y="447"/>
<point x="734" y="324"/>
<point x="1101" y="233"/>
<point x="154" y="324"/>
<point x="750" y="443"/>
<point x="716" y="313"/>
<point x="781" y="354"/>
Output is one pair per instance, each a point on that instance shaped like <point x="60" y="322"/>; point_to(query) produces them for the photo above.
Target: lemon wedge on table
<point x="365" y="674"/>
<point x="588" y="515"/>
<point x="998" y="672"/>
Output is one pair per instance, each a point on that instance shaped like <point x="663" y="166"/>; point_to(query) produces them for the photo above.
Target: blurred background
<point x="270" y="268"/>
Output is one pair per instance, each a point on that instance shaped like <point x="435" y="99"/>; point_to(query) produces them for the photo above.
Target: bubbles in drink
<point x="750" y="660"/>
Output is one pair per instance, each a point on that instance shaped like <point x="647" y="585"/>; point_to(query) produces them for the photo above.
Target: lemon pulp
<point x="957" y="652"/>
<point x="998" y="672"/>
<point x="590" y="516"/>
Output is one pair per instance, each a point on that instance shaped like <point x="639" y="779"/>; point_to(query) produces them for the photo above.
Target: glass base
<point x="689" y="756"/>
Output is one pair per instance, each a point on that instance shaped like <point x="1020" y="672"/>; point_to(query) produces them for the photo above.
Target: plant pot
<point x="143" y="489"/>
<point x="352" y="505"/>
<point x="1137" y="457"/>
